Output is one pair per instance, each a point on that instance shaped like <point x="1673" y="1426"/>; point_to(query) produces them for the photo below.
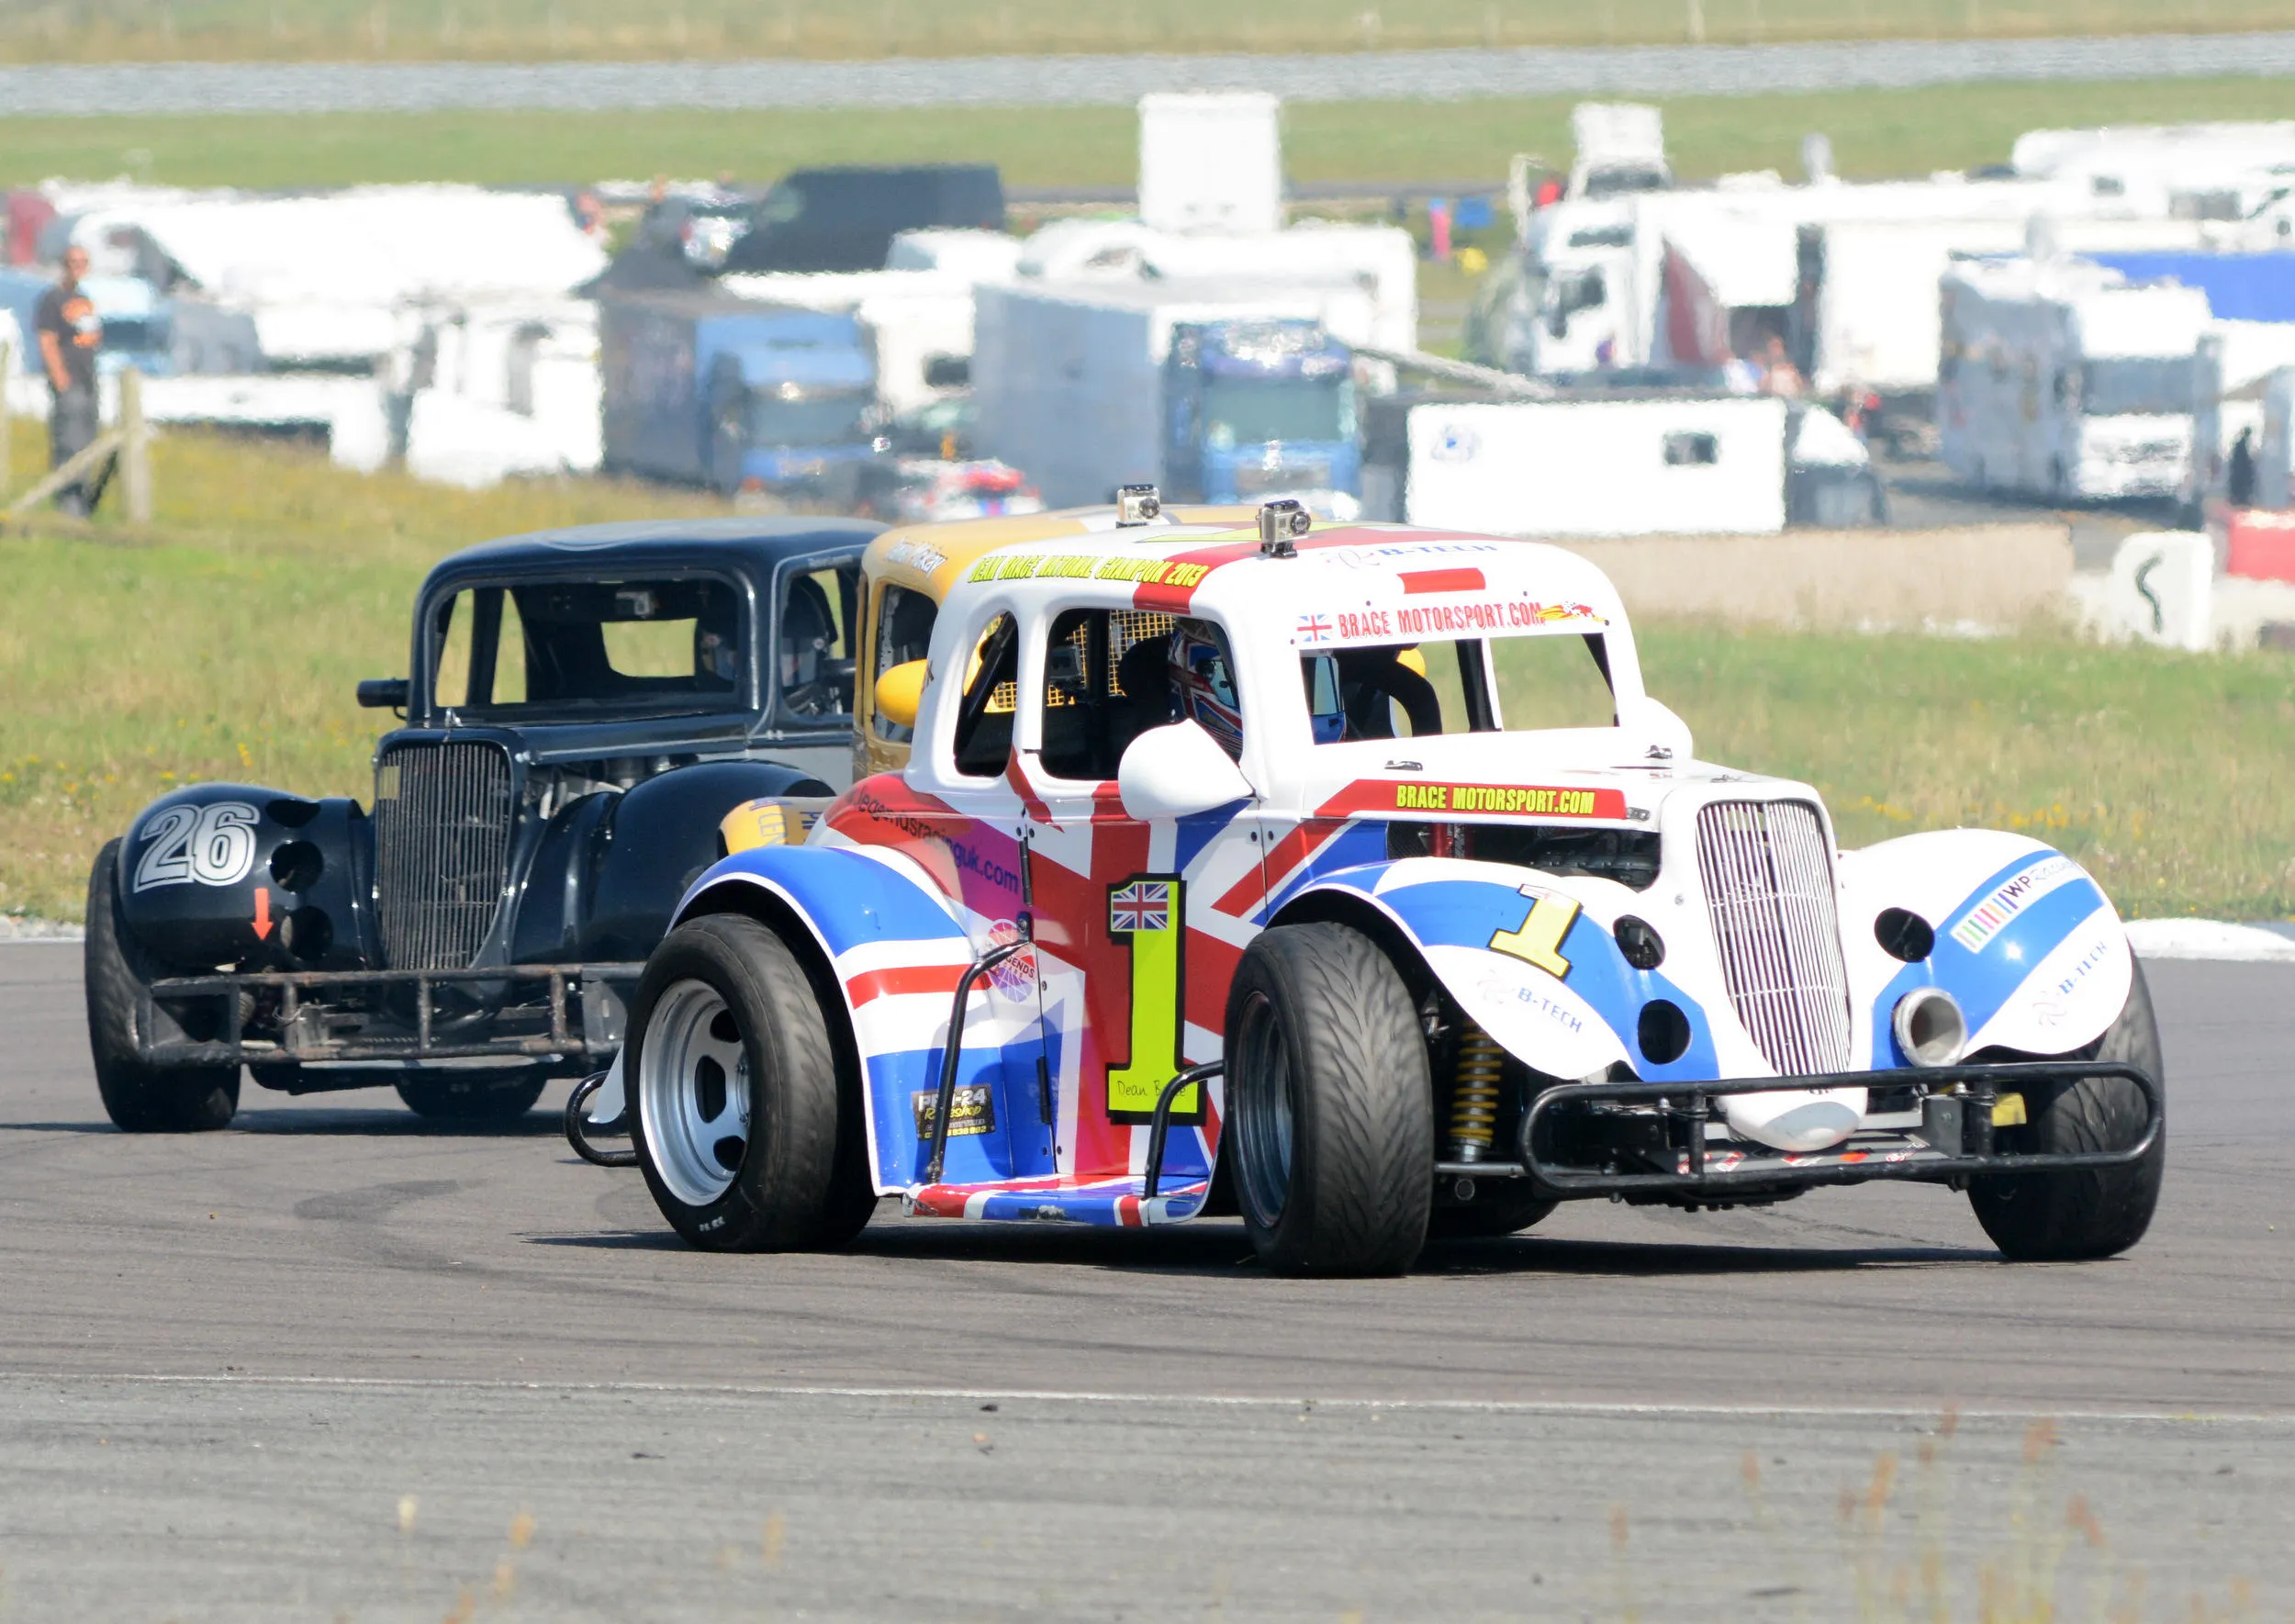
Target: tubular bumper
<point x="1955" y="1140"/>
<point x="307" y="1007"/>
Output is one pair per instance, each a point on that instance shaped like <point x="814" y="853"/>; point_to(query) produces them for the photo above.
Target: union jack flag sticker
<point x="1145" y="904"/>
<point x="1312" y="628"/>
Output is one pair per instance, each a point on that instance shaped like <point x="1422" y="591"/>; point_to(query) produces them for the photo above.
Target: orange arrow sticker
<point x="263" y="913"/>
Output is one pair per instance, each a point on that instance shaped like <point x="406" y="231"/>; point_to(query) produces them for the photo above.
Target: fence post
<point x="135" y="464"/>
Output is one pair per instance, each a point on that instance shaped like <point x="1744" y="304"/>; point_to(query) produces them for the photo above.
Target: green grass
<point x="2167" y="774"/>
<point x="1874" y="134"/>
<point x="225" y="642"/>
<point x="548" y="28"/>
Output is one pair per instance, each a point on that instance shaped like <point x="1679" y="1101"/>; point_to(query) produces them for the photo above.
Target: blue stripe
<point x="1198" y="832"/>
<point x="851" y="900"/>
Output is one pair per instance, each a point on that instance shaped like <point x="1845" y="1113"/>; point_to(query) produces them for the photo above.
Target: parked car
<point x="1358" y="869"/>
<point x="585" y="707"/>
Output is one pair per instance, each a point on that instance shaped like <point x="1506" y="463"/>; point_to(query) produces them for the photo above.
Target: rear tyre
<point x="1497" y="1209"/>
<point x="487" y="1099"/>
<point x="2089" y="1212"/>
<point x="732" y="1087"/>
<point x="139" y="1098"/>
<point x="1328" y="1103"/>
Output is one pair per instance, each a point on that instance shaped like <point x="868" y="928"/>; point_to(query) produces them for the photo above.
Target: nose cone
<point x="1796" y="1121"/>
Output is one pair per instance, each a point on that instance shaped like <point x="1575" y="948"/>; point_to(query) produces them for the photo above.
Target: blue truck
<point x="704" y="389"/>
<point x="1259" y="409"/>
<point x="139" y="320"/>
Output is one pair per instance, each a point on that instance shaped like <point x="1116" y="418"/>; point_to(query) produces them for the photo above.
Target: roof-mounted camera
<point x="1136" y="505"/>
<point x="1282" y="523"/>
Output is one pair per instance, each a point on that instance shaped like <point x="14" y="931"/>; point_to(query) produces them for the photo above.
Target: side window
<point x="904" y="633"/>
<point x="817" y="623"/>
<point x="992" y="688"/>
<point x="1108" y="679"/>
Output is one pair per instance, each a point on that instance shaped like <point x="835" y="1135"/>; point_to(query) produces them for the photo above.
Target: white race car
<point x="1350" y="880"/>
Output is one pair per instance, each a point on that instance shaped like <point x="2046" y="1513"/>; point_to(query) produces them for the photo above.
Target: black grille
<point x="442" y="850"/>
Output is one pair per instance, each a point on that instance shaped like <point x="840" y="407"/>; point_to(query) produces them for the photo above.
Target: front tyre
<point x="2083" y="1211"/>
<point x="732" y="1087"/>
<point x="1328" y="1103"/>
<point x="140" y="1098"/>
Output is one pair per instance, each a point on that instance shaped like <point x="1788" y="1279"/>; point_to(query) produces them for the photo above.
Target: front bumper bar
<point x="1954" y="1141"/>
<point x="578" y="1015"/>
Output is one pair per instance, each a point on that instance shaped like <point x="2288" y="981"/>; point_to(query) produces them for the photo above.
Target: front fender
<point x="656" y="840"/>
<point x="251" y="878"/>
<point x="1573" y="1016"/>
<point x="2025" y="939"/>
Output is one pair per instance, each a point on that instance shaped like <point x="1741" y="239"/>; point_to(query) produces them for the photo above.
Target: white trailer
<point x="1069" y="377"/>
<point x="2062" y="380"/>
<point x="1670" y="463"/>
<point x="1866" y="317"/>
<point x="1211" y="161"/>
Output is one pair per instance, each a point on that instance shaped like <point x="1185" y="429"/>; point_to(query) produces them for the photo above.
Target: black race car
<point x="587" y="708"/>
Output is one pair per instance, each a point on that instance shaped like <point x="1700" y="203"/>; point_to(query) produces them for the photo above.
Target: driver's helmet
<point x="1203" y="683"/>
<point x="807" y="632"/>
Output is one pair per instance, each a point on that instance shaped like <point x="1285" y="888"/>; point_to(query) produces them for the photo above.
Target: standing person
<point x="69" y="337"/>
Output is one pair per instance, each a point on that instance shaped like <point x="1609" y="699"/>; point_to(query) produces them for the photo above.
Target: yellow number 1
<point x="1539" y="939"/>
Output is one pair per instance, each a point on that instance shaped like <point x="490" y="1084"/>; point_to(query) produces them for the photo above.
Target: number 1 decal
<point x="1145" y="911"/>
<point x="1537" y="941"/>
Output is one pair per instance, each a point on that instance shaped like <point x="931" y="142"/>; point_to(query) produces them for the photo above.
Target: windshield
<point x="644" y="648"/>
<point x="1254" y="411"/>
<point x="2148" y="384"/>
<point x="791" y="415"/>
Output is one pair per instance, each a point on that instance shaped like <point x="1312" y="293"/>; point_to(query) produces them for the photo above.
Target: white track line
<point x="1208" y="1401"/>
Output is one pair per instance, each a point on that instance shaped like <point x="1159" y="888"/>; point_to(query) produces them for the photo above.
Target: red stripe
<point x="902" y="977"/>
<point x="1285" y="854"/>
<point x="1441" y="581"/>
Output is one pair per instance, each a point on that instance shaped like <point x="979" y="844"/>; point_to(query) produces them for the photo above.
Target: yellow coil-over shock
<point x="1475" y="1093"/>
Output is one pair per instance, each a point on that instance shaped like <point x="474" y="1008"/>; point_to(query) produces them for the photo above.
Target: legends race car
<point x="585" y="707"/>
<point x="1350" y="880"/>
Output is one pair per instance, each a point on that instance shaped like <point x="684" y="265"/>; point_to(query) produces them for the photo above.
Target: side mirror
<point x="901" y="692"/>
<point x="384" y="693"/>
<point x="1176" y="772"/>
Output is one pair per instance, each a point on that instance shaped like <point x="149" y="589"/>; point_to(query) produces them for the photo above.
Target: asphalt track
<point x="65" y="90"/>
<point x="318" y="1366"/>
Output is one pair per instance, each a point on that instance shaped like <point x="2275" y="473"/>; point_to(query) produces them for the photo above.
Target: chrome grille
<point x="1769" y="891"/>
<point x="442" y="850"/>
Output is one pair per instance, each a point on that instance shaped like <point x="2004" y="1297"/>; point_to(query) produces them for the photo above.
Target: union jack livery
<point x="1351" y="883"/>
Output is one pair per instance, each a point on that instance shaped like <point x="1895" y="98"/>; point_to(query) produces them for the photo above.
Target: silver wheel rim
<point x="693" y="1093"/>
<point x="1262" y="1086"/>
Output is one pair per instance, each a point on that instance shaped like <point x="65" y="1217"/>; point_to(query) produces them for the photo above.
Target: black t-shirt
<point x="71" y="318"/>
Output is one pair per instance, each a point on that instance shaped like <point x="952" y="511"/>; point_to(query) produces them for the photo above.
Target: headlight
<point x="1930" y="1027"/>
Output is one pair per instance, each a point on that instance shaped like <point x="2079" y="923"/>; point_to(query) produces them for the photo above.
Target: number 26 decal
<point x="214" y="844"/>
<point x="1538" y="940"/>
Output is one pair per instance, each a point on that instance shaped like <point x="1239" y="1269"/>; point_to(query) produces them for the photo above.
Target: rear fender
<point x="1564" y="1001"/>
<point x="238" y="876"/>
<point x="894" y="947"/>
<point x="2025" y="939"/>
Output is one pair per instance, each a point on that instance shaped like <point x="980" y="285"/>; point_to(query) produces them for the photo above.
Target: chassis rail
<point x="566" y="1037"/>
<point x="1962" y="1119"/>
